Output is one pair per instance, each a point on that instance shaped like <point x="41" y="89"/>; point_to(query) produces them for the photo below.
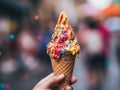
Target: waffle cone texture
<point x="64" y="66"/>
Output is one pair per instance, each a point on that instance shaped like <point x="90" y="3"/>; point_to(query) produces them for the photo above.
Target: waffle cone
<point x="64" y="66"/>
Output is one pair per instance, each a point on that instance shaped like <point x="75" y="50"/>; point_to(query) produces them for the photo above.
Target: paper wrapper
<point x="64" y="66"/>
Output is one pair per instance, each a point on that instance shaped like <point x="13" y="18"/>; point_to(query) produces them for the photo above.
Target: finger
<point x="73" y="80"/>
<point x="46" y="78"/>
<point x="69" y="88"/>
<point x="54" y="80"/>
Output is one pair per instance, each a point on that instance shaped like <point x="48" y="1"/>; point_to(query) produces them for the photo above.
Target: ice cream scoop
<point x="63" y="40"/>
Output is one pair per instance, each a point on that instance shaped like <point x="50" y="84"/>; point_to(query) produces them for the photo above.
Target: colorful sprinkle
<point x="65" y="59"/>
<point x="63" y="39"/>
<point x="63" y="53"/>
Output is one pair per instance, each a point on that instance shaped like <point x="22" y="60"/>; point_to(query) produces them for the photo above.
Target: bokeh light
<point x="36" y="17"/>
<point x="11" y="36"/>
<point x="2" y="86"/>
<point x="100" y="4"/>
<point x="8" y="87"/>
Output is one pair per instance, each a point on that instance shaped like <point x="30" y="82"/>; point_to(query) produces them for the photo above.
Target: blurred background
<point x="26" y="27"/>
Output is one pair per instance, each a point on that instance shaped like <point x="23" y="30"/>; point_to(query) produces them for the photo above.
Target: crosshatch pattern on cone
<point x="64" y="66"/>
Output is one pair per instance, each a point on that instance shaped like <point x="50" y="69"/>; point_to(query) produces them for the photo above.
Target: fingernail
<point x="61" y="76"/>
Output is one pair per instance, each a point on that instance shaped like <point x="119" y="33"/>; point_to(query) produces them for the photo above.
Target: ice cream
<point x="63" y="40"/>
<point x="62" y="50"/>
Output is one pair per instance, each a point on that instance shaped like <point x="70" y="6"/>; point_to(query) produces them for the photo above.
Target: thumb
<point x="54" y="80"/>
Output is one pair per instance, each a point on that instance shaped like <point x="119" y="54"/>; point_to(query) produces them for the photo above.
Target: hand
<point x="51" y="82"/>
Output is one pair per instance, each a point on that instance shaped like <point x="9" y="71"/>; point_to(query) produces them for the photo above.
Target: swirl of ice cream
<point x="63" y="40"/>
